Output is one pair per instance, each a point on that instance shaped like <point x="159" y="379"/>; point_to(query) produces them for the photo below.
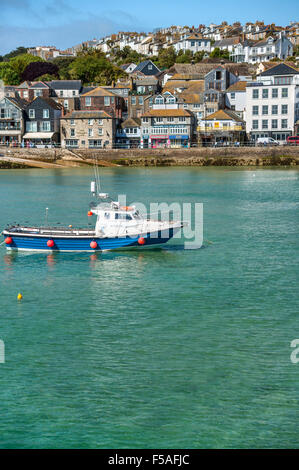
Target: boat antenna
<point x="97" y="175"/>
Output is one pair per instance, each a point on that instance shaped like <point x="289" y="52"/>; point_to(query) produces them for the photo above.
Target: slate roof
<point x="49" y="101"/>
<point x="87" y="115"/>
<point x="17" y="101"/>
<point x="65" y="84"/>
<point x="39" y="85"/>
<point x="143" y="64"/>
<point x="280" y="69"/>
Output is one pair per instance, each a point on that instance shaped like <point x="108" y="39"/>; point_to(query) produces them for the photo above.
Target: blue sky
<point x="64" y="23"/>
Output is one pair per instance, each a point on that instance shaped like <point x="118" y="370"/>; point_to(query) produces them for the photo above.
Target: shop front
<point x="179" y="141"/>
<point x="159" y="141"/>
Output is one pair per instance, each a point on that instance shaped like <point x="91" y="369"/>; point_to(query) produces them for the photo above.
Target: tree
<point x="224" y="54"/>
<point x="11" y="72"/>
<point x="36" y="69"/>
<point x="184" y="57"/>
<point x="18" y="51"/>
<point x="8" y="74"/>
<point x="63" y="64"/>
<point x="93" y="67"/>
<point x="198" y="56"/>
<point x="167" y="57"/>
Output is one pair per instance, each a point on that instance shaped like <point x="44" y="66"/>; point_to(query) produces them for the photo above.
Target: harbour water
<point x="168" y="348"/>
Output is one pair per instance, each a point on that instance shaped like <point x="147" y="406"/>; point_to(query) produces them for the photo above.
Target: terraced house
<point x="87" y="129"/>
<point x="11" y="120"/>
<point x="167" y="128"/>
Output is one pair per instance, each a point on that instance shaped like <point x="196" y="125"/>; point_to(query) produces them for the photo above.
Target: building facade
<point x="87" y="129"/>
<point x="272" y="103"/>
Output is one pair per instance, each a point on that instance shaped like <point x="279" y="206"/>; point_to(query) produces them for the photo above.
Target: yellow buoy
<point x="20" y="296"/>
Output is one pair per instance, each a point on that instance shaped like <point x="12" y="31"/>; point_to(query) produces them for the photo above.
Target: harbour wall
<point x="242" y="156"/>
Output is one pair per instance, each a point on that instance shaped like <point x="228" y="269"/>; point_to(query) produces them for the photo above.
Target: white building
<point x="194" y="43"/>
<point x="272" y="103"/>
<point x="262" y="51"/>
<point x="235" y="98"/>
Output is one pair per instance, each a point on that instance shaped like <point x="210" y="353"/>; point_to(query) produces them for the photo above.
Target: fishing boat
<point x="116" y="227"/>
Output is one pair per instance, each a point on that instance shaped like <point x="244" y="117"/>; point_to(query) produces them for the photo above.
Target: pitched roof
<point x="131" y="122"/>
<point x="143" y="64"/>
<point x="39" y="85"/>
<point x="87" y="115"/>
<point x="49" y="101"/>
<point x="223" y="115"/>
<point x="237" y="86"/>
<point x="17" y="101"/>
<point x="280" y="69"/>
<point x="167" y="112"/>
<point x="227" y="42"/>
<point x="98" y="91"/>
<point x="65" y="84"/>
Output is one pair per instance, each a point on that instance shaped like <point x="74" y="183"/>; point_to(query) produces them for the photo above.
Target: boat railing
<point x="50" y="230"/>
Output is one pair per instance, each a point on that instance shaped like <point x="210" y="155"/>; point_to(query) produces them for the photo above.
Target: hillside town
<point x="217" y="85"/>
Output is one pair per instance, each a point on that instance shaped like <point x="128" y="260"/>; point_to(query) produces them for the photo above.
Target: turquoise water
<point x="157" y="349"/>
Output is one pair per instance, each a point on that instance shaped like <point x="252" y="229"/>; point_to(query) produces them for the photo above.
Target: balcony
<point x="214" y="128"/>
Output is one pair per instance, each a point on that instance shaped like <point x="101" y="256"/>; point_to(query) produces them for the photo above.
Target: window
<point x="112" y="99"/>
<point x="255" y="93"/>
<point x="150" y="67"/>
<point x="274" y="92"/>
<point x="233" y="96"/>
<point x="274" y="109"/>
<point x="74" y="93"/>
<point x="61" y="93"/>
<point x="45" y="113"/>
<point x="90" y="122"/>
<point x="133" y="100"/>
<point x="145" y="119"/>
<point x="192" y="43"/>
<point x="265" y="124"/>
<point x="282" y="80"/>
<point x="38" y="93"/>
<point x="88" y="101"/>
<point x="90" y="132"/>
<point x="284" y="123"/>
<point x="72" y="122"/>
<point x="255" y="110"/>
<point x="182" y="119"/>
<point x="100" y="122"/>
<point x="66" y="104"/>
<point x="158" y="119"/>
<point x="73" y="132"/>
<point x="100" y="131"/>
<point x="218" y="75"/>
<point x="274" y="124"/>
<point x="265" y="110"/>
<point x="265" y="93"/>
<point x="32" y="113"/>
<point x="107" y="100"/>
<point x="140" y="100"/>
<point x="93" y="144"/>
<point x="284" y="109"/>
<point x="31" y="126"/>
<point x="170" y="119"/>
<point x="71" y="143"/>
<point x="25" y="94"/>
<point x="46" y="126"/>
<point x="284" y="92"/>
<point x="255" y="124"/>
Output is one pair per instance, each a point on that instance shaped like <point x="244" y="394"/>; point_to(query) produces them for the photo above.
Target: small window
<point x="233" y="96"/>
<point x="265" y="93"/>
<point x="45" y="113"/>
<point x="90" y="122"/>
<point x="107" y="100"/>
<point x="255" y="93"/>
<point x="88" y="101"/>
<point x="32" y="113"/>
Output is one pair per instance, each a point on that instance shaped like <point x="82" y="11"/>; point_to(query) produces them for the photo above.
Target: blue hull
<point x="32" y="243"/>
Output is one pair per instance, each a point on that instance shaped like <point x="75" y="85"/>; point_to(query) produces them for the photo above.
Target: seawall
<point x="243" y="156"/>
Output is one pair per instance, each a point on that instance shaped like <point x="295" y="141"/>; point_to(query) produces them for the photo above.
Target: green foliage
<point x="224" y="54"/>
<point x="166" y="57"/>
<point x="184" y="57"/>
<point x="198" y="56"/>
<point x="63" y="63"/>
<point x="126" y="56"/>
<point x="20" y="50"/>
<point x="11" y="71"/>
<point x="92" y="67"/>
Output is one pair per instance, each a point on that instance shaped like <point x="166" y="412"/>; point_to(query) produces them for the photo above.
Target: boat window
<point x="123" y="216"/>
<point x="136" y="215"/>
<point x="107" y="215"/>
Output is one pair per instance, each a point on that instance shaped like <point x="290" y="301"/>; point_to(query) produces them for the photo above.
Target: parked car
<point x="293" y="140"/>
<point x="266" y="141"/>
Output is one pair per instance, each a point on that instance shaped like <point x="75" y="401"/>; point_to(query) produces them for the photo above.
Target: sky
<point x="65" y="23"/>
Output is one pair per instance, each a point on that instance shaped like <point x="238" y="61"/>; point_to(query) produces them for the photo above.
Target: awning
<point x="176" y="137"/>
<point x="38" y="135"/>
